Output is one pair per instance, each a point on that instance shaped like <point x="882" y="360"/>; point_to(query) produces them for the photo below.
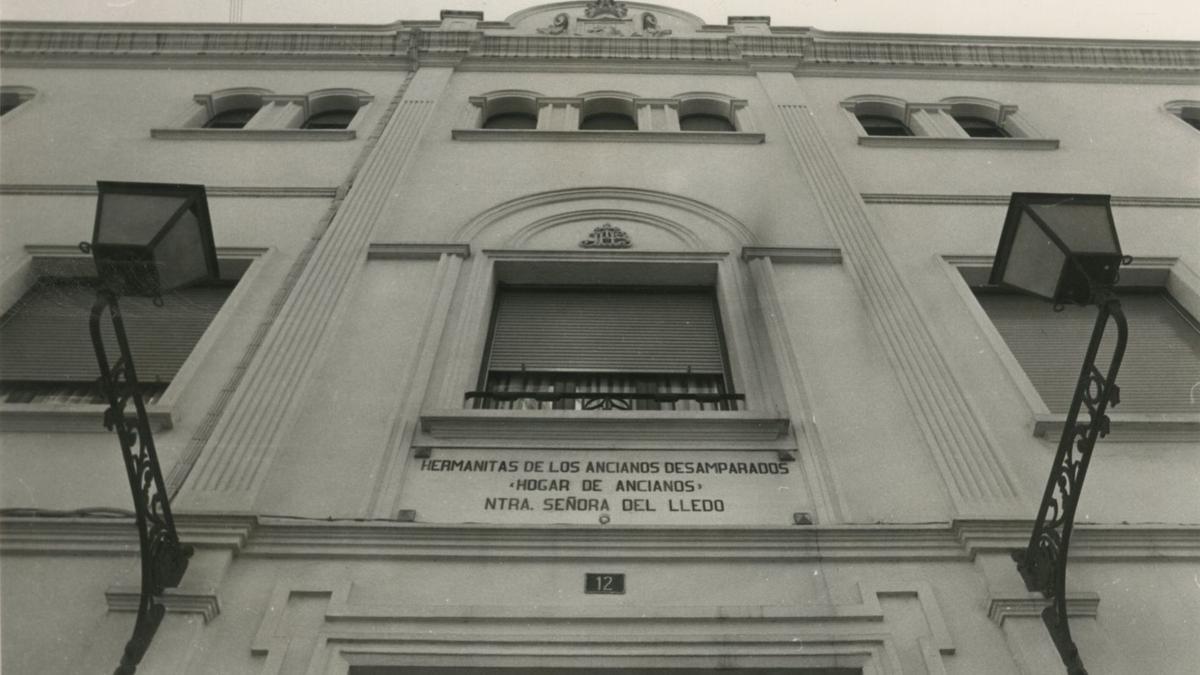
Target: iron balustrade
<point x="544" y="390"/>
<point x="601" y="400"/>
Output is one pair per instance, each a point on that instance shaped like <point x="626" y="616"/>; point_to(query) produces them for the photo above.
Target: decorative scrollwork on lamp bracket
<point x="164" y="558"/>
<point x="1043" y="563"/>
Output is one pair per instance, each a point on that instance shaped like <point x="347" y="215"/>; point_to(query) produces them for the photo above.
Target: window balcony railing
<point x="603" y="391"/>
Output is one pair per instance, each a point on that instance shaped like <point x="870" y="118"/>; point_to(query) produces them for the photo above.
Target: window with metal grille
<point x="1161" y="369"/>
<point x="581" y="348"/>
<point x="46" y="353"/>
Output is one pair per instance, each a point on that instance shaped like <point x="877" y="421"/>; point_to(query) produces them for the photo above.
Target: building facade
<point x="597" y="338"/>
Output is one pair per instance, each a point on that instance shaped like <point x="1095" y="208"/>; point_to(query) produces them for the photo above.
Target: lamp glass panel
<point x="1083" y="227"/>
<point x="179" y="255"/>
<point x="1035" y="262"/>
<point x="134" y="219"/>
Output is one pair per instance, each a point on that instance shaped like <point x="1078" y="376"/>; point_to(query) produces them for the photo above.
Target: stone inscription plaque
<point x="603" y="487"/>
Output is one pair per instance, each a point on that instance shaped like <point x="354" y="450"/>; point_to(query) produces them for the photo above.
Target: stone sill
<point x="960" y="143"/>
<point x="727" y="137"/>
<point x="253" y="134"/>
<point x="1129" y="428"/>
<point x="642" y="430"/>
<point x="71" y="418"/>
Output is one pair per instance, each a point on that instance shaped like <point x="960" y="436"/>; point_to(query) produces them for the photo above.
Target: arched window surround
<point x="278" y="116"/>
<point x="225" y="100"/>
<point x="506" y="102"/>
<point x="328" y="100"/>
<point x="934" y="124"/>
<point x="719" y="105"/>
<point x="999" y="114"/>
<point x="884" y="106"/>
<point x="560" y="117"/>
<point x="617" y="104"/>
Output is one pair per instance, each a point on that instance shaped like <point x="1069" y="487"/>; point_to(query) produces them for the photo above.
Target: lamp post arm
<point x="164" y="560"/>
<point x="1043" y="563"/>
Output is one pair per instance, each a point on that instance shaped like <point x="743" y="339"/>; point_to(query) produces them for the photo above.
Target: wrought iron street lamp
<point x="1064" y="248"/>
<point x="149" y="239"/>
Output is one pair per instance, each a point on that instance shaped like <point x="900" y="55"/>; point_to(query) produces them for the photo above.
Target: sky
<point x="1114" y="19"/>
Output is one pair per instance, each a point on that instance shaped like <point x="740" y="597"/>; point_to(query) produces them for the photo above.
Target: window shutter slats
<point x="606" y="331"/>
<point x="1162" y="358"/>
<point x="44" y="337"/>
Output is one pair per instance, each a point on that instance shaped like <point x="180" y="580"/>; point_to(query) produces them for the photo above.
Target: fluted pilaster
<point x="246" y="440"/>
<point x="972" y="469"/>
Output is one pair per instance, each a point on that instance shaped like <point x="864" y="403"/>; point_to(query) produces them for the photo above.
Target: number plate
<point x="604" y="583"/>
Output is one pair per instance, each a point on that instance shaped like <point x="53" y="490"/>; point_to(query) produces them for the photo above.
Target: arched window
<point x="883" y="125"/>
<point x="706" y="112"/>
<point x="332" y="109"/>
<point x="608" y="114"/>
<point x="234" y="118"/>
<point x="230" y="108"/>
<point x="508" y="110"/>
<point x="984" y="118"/>
<point x="882" y="115"/>
<point x="980" y="127"/>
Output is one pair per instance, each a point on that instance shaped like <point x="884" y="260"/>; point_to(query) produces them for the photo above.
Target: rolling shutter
<point x="655" y="331"/>
<point x="44" y="337"/>
<point x="1162" y="358"/>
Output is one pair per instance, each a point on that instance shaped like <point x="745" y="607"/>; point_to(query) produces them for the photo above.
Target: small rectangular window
<point x="1161" y="369"/>
<point x="46" y="353"/>
<point x="602" y="349"/>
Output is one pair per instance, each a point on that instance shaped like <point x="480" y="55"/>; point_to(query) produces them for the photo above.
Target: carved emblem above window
<point x="598" y="8"/>
<point x="607" y="236"/>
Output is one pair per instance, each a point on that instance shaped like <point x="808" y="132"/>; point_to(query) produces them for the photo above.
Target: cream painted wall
<point x="333" y="456"/>
<point x="453" y="181"/>
<point x="1156" y="480"/>
<point x="80" y="470"/>
<point x="1115" y="138"/>
<point x="87" y="125"/>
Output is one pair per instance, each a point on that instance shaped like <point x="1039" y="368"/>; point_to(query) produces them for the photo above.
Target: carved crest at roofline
<point x="605" y="18"/>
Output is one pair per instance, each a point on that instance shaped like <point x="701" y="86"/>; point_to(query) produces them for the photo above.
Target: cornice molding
<point x="398" y="45"/>
<point x="415" y="251"/>
<point x="789" y="254"/>
<point x="210" y="190"/>
<point x="267" y="536"/>
<point x="958" y="143"/>
<point x="589" y="136"/>
<point x="1002" y="200"/>
<point x="307" y="135"/>
<point x="731" y="430"/>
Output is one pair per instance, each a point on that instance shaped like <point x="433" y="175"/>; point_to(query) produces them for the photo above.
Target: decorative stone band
<point x="382" y="47"/>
